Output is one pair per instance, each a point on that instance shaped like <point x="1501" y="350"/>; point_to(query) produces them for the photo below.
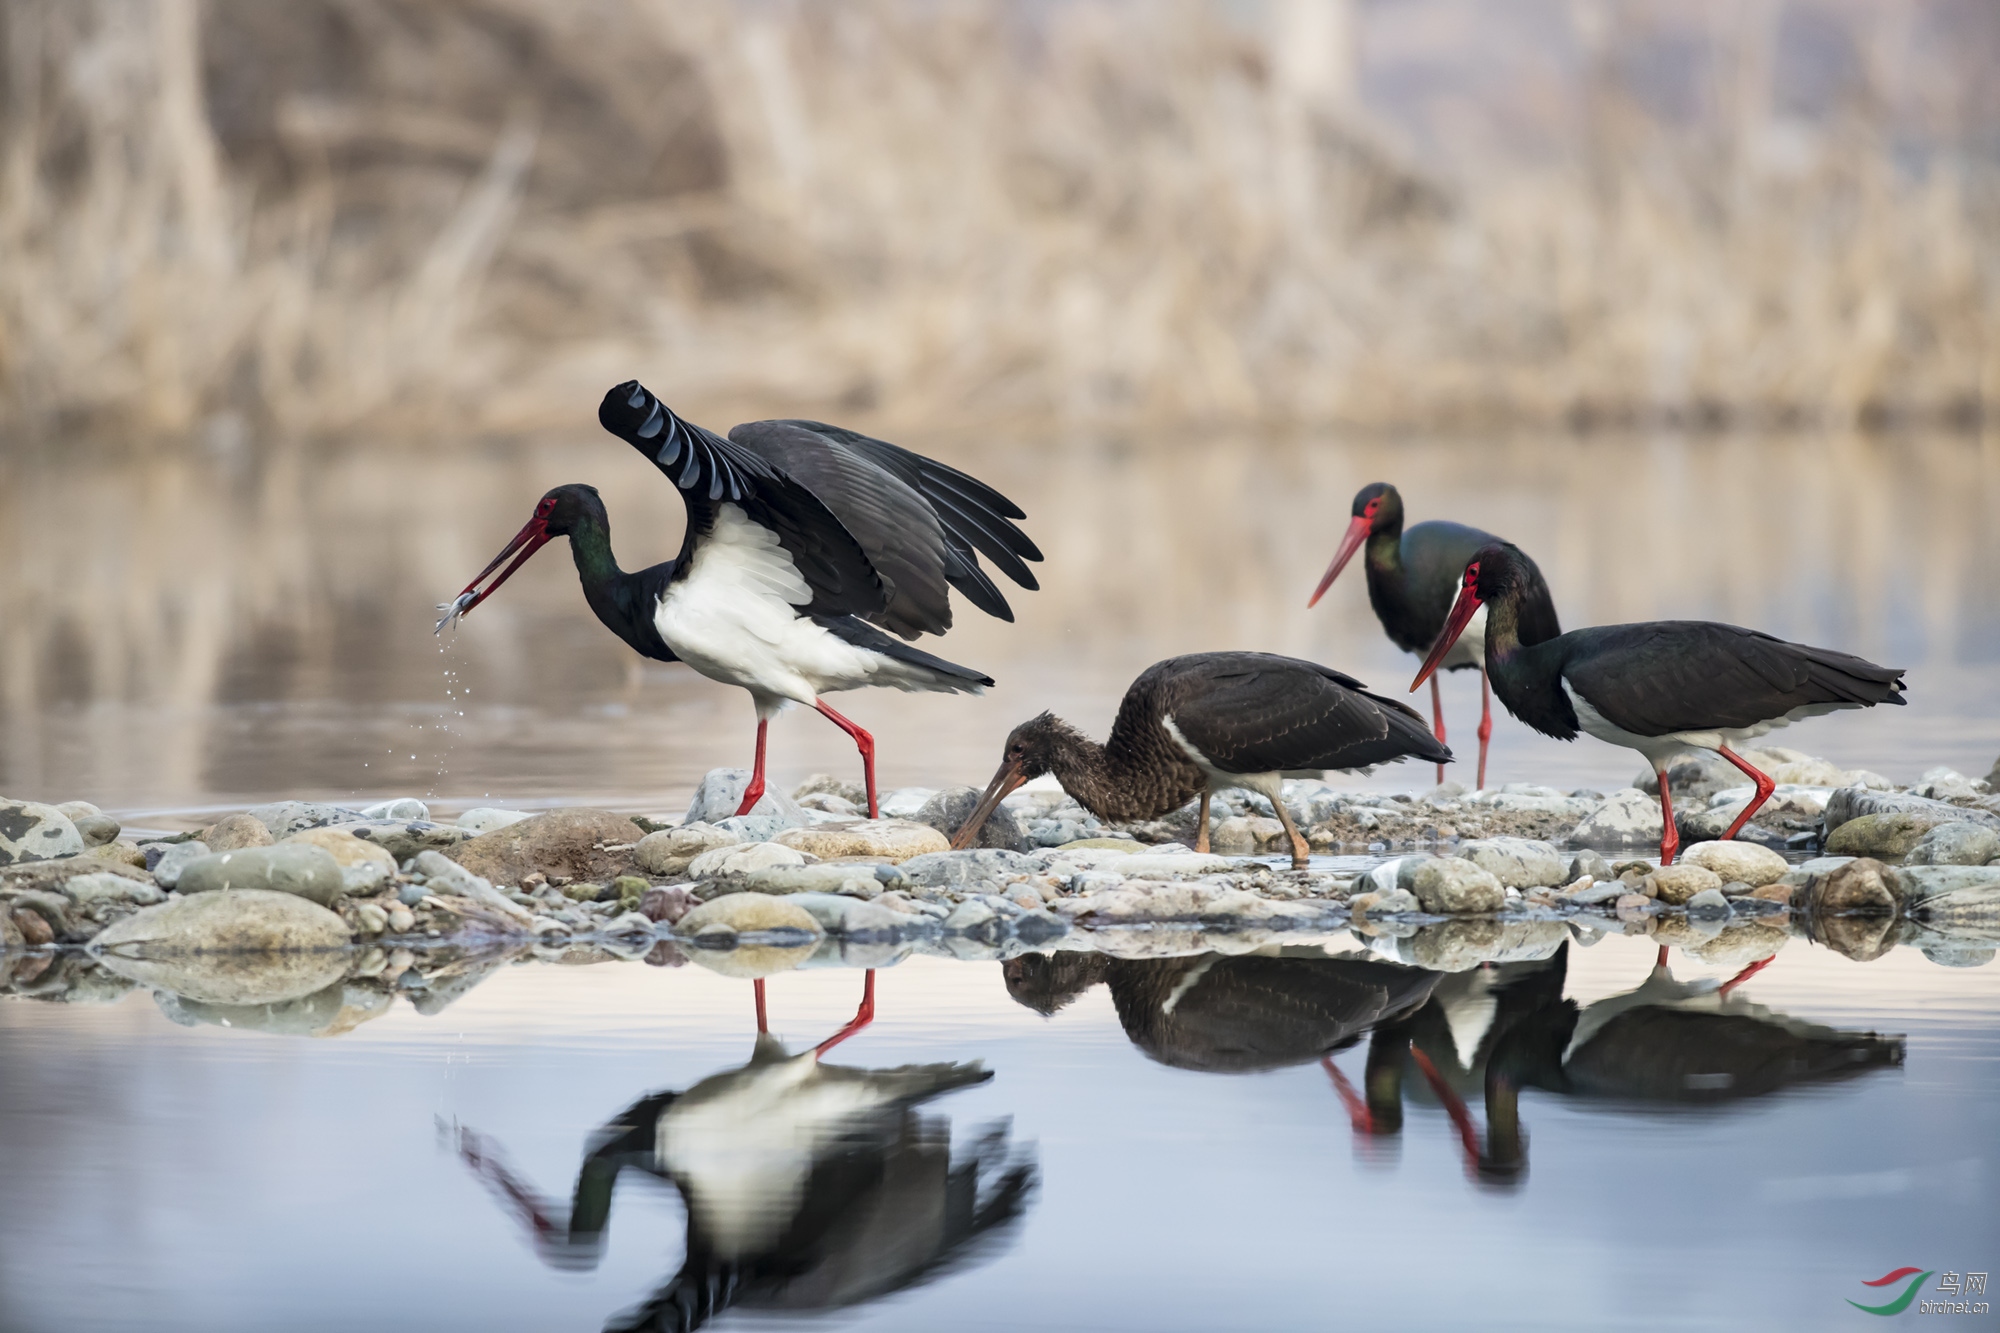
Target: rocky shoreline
<point x="1445" y="879"/>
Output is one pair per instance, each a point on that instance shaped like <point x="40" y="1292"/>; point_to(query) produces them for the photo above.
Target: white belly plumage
<point x="734" y="617"/>
<point x="1470" y="647"/>
<point x="1660" y="750"/>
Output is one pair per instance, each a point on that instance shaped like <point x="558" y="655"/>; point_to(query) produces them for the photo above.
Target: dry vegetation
<point x="399" y="216"/>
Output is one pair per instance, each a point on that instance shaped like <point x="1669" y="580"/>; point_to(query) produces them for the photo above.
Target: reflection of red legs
<point x="1764" y="789"/>
<point x="1746" y="974"/>
<point x="1357" y="1110"/>
<point x="1454" y="1106"/>
<point x="763" y="1023"/>
<point x="1670" y="837"/>
<point x="1485" y="722"/>
<point x="862" y="1017"/>
<point x="755" y="791"/>
<point x="862" y="742"/>
<point x="1437" y="714"/>
<point x="1661" y="961"/>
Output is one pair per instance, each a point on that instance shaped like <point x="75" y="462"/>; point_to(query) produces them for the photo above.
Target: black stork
<point x="1205" y="723"/>
<point x="1412" y="576"/>
<point x="1660" y="687"/>
<point x="804" y="543"/>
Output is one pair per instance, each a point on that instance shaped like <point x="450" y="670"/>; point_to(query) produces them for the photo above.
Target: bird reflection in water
<point x="1667" y="1045"/>
<point x="808" y="1186"/>
<point x="1230" y="1014"/>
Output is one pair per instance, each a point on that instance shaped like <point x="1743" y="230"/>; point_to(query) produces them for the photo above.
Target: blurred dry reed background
<point x="322" y="216"/>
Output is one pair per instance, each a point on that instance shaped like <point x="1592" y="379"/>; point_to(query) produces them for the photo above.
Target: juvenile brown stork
<point x="1660" y="687"/>
<point x="805" y="542"/>
<point x="1207" y="722"/>
<point x="1412" y="578"/>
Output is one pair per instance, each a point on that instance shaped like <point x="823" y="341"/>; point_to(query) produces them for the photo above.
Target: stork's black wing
<point x="973" y="515"/>
<point x="1665" y="676"/>
<point x="897" y="528"/>
<point x="1261" y="713"/>
<point x="711" y="471"/>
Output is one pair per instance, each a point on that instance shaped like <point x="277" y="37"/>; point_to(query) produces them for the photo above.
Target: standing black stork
<point x="1660" y="687"/>
<point x="1412" y="577"/>
<point x="1205" y="723"/>
<point x="802" y="539"/>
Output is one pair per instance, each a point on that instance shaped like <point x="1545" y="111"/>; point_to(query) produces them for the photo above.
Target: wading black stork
<point x="1412" y="577"/>
<point x="1205" y="723"/>
<point x="1660" y="687"/>
<point x="802" y="539"/>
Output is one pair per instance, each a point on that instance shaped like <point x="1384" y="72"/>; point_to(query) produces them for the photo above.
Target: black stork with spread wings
<point x="1660" y="687"/>
<point x="1412" y="577"/>
<point x="1207" y="722"/>
<point x="805" y="542"/>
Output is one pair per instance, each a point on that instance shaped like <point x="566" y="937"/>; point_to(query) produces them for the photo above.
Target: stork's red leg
<point x="1485" y="722"/>
<point x="1454" y="1106"/>
<point x="1357" y="1110"/>
<point x="1437" y="714"/>
<point x="755" y="791"/>
<point x="1764" y="789"/>
<point x="1746" y="974"/>
<point x="1660" y="959"/>
<point x="763" y="1023"/>
<point x="862" y="742"/>
<point x="1670" y="837"/>
<point x="862" y="1016"/>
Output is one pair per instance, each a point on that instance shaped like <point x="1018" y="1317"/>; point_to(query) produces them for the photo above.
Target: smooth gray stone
<point x="285" y="818"/>
<point x="296" y="868"/>
<point x="405" y="840"/>
<point x="721" y="791"/>
<point x="1850" y="803"/>
<point x="977" y="865"/>
<point x="176" y="858"/>
<point x="1962" y="843"/>
<point x="841" y="915"/>
<point x="403" y="808"/>
<point x="855" y="879"/>
<point x="1518" y="863"/>
<point x="32" y="831"/>
<point x="947" y="810"/>
<point x="1588" y="862"/>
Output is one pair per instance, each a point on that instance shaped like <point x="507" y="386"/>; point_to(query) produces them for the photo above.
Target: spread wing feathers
<point x="1693" y="675"/>
<point x="1259" y="713"/>
<point x="897" y="527"/>
<point x="973" y="514"/>
<point x="711" y="471"/>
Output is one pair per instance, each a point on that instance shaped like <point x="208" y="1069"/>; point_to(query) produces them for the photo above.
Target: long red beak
<point x="1004" y="781"/>
<point x="1357" y="533"/>
<point x="1454" y="625"/>
<point x="527" y="541"/>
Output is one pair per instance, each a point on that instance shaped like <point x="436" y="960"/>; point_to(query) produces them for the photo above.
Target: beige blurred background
<point x="302" y="305"/>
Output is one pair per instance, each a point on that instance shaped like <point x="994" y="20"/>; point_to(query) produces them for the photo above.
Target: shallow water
<point x="202" y="1178"/>
<point x="186" y="629"/>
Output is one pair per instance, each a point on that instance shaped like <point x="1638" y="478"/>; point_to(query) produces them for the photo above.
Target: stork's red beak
<point x="530" y="539"/>
<point x="1004" y="782"/>
<point x="1357" y="533"/>
<point x="1461" y="614"/>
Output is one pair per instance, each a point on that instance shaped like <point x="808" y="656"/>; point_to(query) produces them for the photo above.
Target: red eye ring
<point x="1472" y="574"/>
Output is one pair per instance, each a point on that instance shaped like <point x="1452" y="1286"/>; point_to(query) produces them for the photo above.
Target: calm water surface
<point x="1166" y="1150"/>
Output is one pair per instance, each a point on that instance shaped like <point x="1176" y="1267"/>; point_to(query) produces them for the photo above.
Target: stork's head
<point x="557" y="514"/>
<point x="1377" y="508"/>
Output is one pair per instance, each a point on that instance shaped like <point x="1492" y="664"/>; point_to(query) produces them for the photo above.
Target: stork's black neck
<point x="624" y="602"/>
<point x="1527" y="677"/>
<point x="1389" y="586"/>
